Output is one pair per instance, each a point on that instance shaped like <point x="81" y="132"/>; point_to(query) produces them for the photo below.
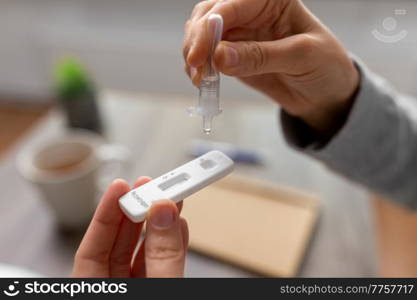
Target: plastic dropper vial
<point x="208" y="100"/>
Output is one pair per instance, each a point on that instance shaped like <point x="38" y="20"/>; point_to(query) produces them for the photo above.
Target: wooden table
<point x="158" y="131"/>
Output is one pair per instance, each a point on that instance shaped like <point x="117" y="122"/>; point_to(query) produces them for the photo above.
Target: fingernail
<point x="193" y="72"/>
<point x="162" y="216"/>
<point x="231" y="56"/>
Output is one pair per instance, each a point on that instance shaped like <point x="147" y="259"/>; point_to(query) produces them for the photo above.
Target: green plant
<point x="71" y="79"/>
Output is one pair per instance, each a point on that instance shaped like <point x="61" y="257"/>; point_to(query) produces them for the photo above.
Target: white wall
<point x="136" y="45"/>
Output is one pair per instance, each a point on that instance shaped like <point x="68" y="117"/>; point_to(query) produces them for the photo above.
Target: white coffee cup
<point x="66" y="171"/>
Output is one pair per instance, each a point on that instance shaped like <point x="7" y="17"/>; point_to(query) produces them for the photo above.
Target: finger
<point x="290" y="55"/>
<point x="121" y="257"/>
<point x="93" y="254"/>
<point x="126" y="241"/>
<point x="241" y="34"/>
<point x="199" y="11"/>
<point x="279" y="16"/>
<point x="164" y="247"/>
<point x="254" y="14"/>
<point x="201" y="8"/>
<point x="138" y="266"/>
<point x="141" y="180"/>
<point x="195" y="74"/>
<point x="187" y="70"/>
<point x="235" y="13"/>
<point x="179" y="206"/>
<point x="197" y="50"/>
<point x="185" y="233"/>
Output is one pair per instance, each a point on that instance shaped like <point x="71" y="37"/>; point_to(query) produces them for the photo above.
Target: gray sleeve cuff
<point x="377" y="146"/>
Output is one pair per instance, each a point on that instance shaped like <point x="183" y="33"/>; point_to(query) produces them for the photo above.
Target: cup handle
<point x="110" y="156"/>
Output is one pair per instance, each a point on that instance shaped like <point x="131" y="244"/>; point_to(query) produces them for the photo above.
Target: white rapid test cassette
<point x="177" y="184"/>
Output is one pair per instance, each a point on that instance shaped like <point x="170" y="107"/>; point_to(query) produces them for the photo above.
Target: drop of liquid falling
<point x="207" y="125"/>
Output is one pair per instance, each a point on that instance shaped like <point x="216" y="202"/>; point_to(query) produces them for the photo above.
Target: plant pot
<point x="83" y="112"/>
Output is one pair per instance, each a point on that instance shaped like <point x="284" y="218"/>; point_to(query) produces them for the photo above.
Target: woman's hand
<point x="108" y="247"/>
<point x="281" y="49"/>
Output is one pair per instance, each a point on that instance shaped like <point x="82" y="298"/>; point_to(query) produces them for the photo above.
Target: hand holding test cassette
<point x="177" y="184"/>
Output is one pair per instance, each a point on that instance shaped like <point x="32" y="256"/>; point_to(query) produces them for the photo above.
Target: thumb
<point x="165" y="247"/>
<point x="247" y="58"/>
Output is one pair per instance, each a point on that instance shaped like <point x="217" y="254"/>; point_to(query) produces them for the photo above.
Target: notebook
<point x="261" y="227"/>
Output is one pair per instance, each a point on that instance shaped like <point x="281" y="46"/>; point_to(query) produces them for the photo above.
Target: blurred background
<point x="135" y="46"/>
